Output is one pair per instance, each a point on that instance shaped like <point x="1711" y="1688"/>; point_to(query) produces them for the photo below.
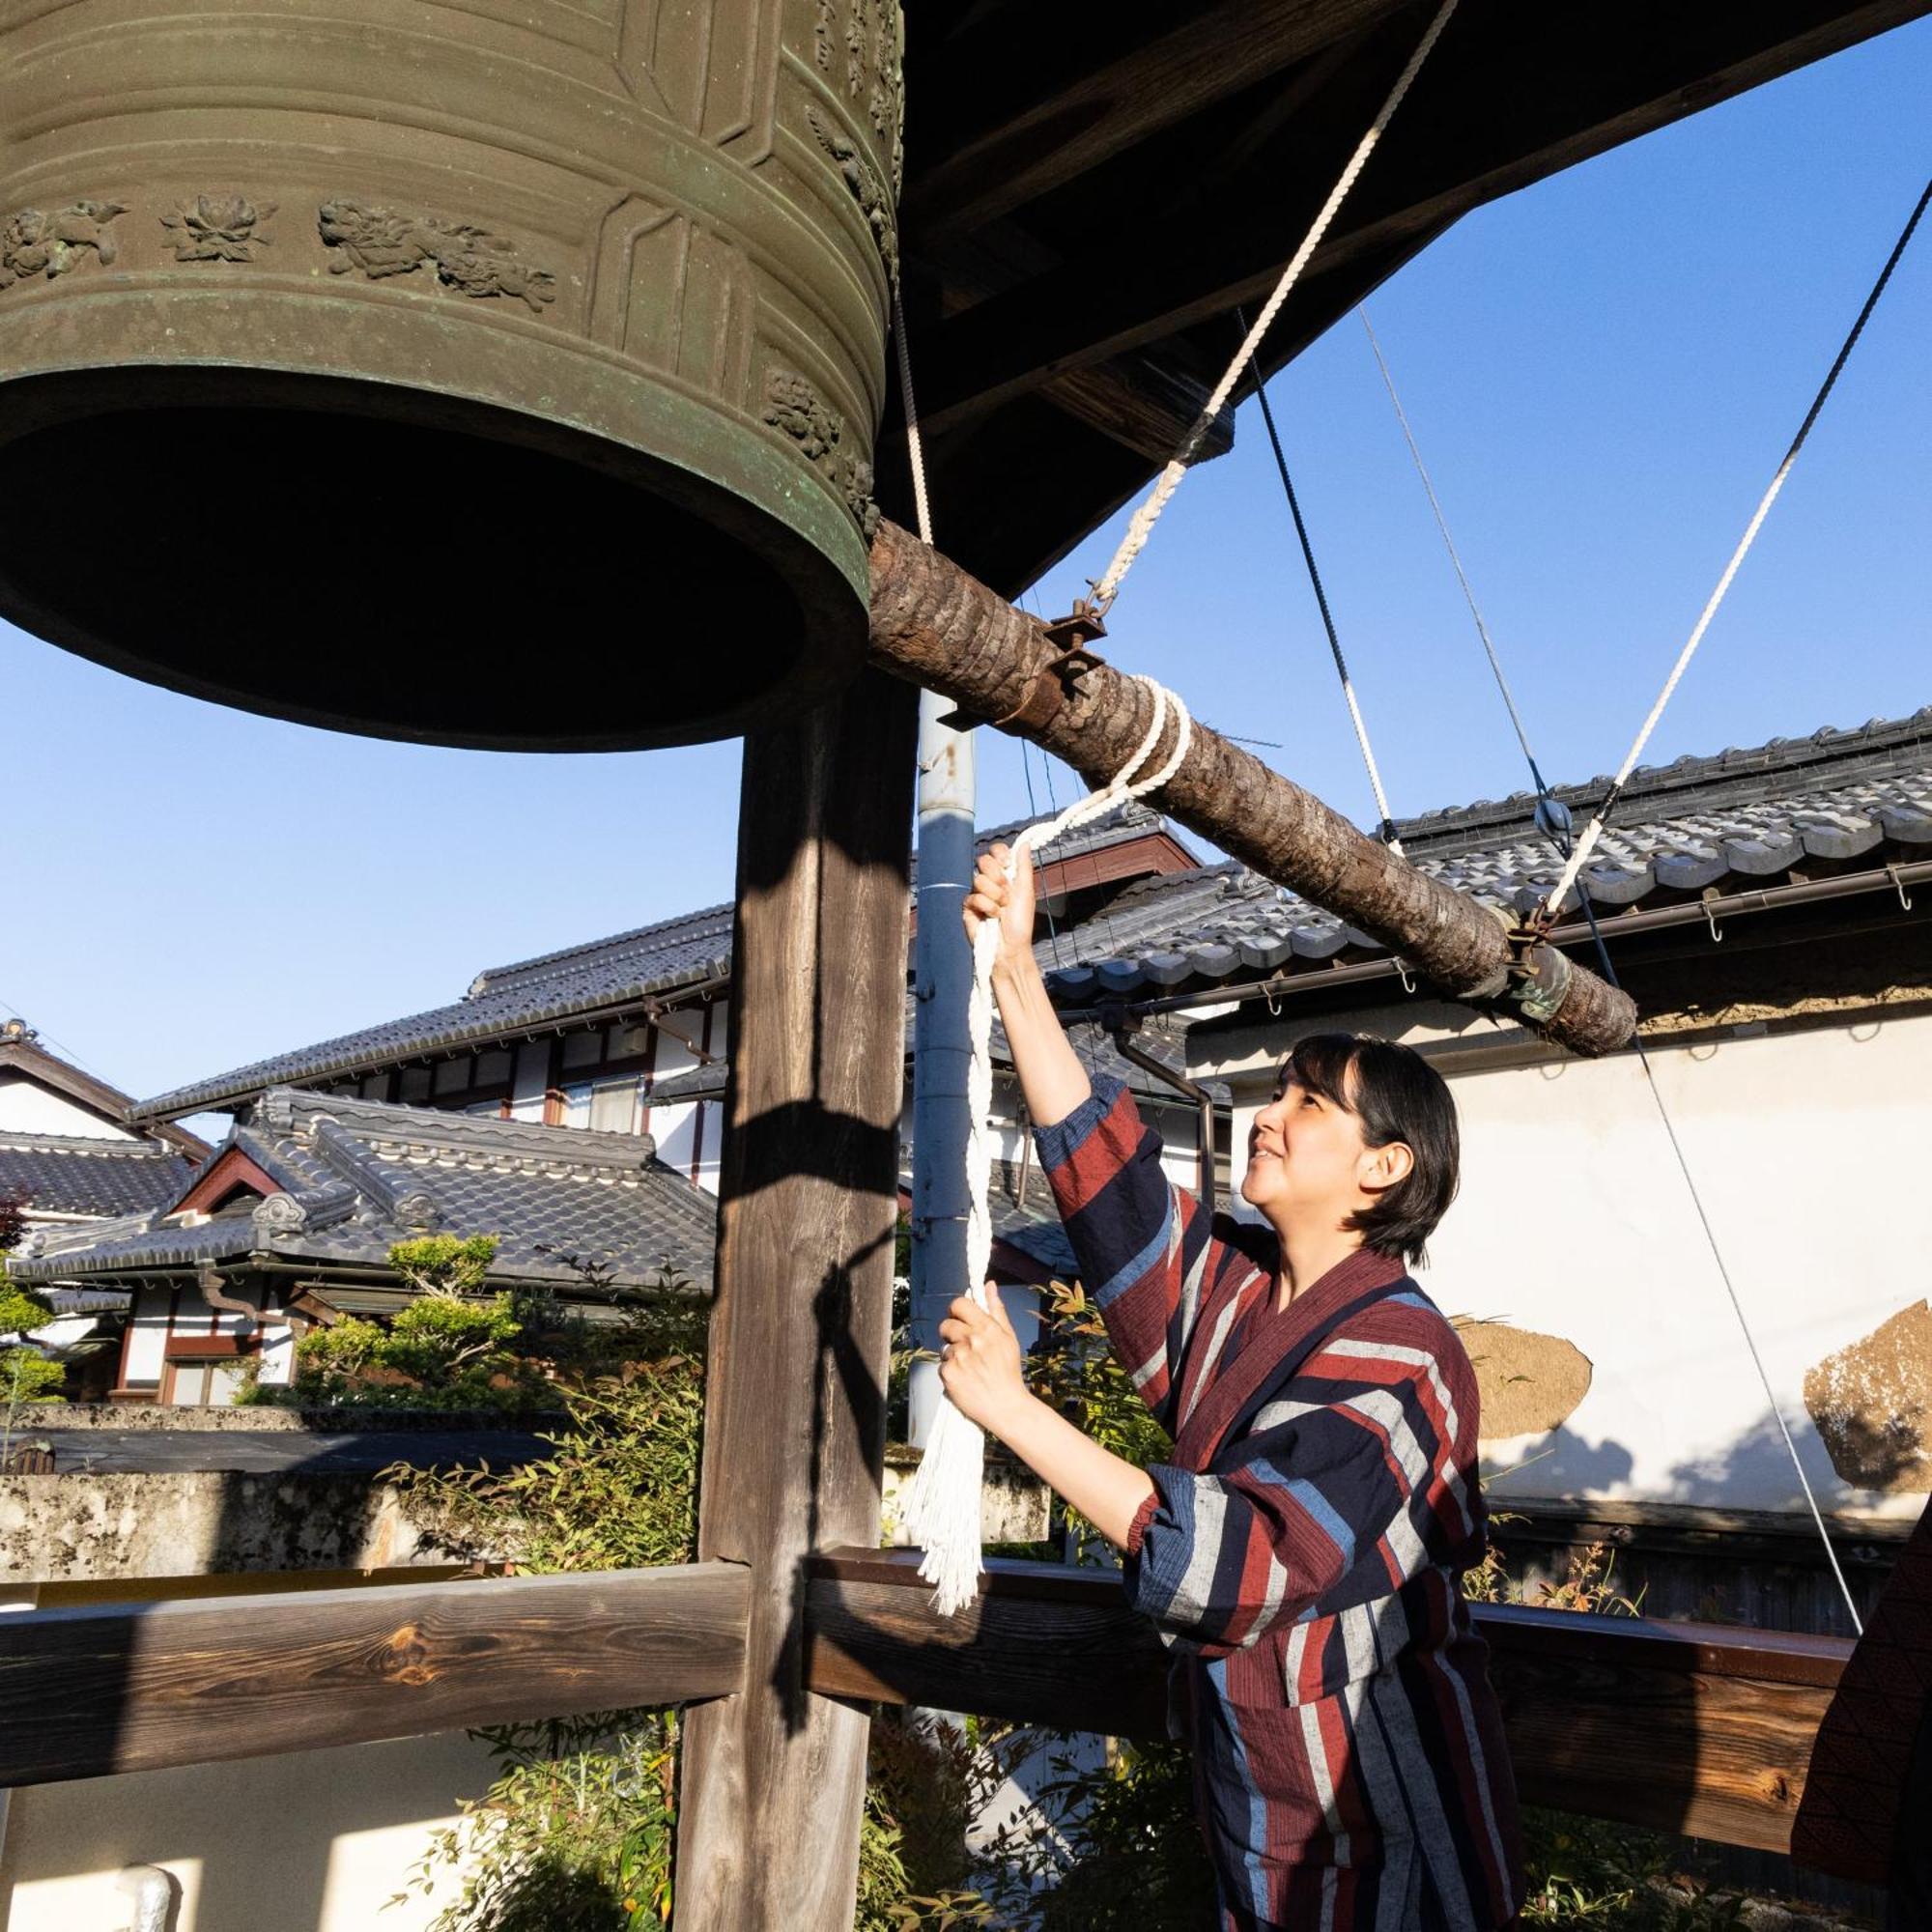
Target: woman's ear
<point x="1388" y="1166"/>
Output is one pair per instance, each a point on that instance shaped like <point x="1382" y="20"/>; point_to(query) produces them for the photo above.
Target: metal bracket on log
<point x="1054" y="682"/>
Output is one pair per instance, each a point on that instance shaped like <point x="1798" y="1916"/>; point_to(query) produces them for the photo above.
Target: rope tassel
<point x="941" y="1511"/>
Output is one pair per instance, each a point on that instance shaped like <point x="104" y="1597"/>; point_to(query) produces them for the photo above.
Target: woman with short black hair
<point x="1302" y="1555"/>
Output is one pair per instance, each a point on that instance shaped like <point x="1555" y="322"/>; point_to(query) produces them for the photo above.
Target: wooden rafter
<point x="1119" y="103"/>
<point x="1515" y="92"/>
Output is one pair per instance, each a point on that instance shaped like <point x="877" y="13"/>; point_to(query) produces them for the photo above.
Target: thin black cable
<point x="1385" y="831"/>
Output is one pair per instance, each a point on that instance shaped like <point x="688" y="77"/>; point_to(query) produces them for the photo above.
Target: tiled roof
<point x="1740" y="821"/>
<point x="600" y="976"/>
<point x="360" y="1176"/>
<point x="62" y="1174"/>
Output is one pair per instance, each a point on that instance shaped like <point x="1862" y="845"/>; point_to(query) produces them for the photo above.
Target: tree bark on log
<point x="937" y="626"/>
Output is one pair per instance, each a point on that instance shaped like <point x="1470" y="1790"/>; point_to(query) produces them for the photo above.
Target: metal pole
<point x="943" y="980"/>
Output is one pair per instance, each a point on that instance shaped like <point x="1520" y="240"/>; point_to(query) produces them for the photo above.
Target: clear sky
<point x="1603" y="372"/>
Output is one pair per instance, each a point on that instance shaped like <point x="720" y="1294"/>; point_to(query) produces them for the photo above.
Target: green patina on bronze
<point x="488" y="376"/>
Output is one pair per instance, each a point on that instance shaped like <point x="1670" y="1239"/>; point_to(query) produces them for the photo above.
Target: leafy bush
<point x="22" y="1312"/>
<point x="443" y="1265"/>
<point x="13" y="1221"/>
<point x="27" y="1375"/>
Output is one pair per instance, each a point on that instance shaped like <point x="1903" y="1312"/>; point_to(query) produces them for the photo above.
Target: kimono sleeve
<point x="1329" y="1504"/>
<point x="1144" y="1245"/>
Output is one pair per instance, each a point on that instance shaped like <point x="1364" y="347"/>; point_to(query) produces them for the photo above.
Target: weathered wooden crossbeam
<point x="135" y="1687"/>
<point x="1698" y="1728"/>
<point x="934" y="624"/>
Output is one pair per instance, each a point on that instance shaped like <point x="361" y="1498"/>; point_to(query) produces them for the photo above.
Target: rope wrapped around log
<point x="936" y="625"/>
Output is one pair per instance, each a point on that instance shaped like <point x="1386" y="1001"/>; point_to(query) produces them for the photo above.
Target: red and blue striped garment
<point x="1303" y="1553"/>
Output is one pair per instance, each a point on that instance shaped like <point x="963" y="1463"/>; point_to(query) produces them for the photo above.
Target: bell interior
<point x="365" y="559"/>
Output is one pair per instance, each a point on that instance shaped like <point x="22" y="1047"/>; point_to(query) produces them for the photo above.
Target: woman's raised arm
<point x="1051" y="1075"/>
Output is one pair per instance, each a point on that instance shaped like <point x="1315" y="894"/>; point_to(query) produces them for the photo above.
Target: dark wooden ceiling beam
<point x="1118" y="105"/>
<point x="1486" y="121"/>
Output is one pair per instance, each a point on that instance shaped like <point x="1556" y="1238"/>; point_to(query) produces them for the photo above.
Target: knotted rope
<point x="942" y="1508"/>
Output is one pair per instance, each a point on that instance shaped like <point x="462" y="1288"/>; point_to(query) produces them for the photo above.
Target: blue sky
<point x="1602" y="371"/>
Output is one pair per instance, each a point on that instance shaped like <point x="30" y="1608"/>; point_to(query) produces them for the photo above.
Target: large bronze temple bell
<point x="482" y="372"/>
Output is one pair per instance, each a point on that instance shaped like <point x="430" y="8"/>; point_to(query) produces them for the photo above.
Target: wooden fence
<point x="1697" y="1728"/>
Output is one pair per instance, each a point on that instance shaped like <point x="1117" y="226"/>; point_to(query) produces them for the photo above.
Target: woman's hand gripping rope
<point x="979" y="1365"/>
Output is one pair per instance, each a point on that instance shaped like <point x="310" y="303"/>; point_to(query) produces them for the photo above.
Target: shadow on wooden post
<point x="773" y="1780"/>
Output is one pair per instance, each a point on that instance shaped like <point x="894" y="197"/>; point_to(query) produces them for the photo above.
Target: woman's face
<point x="1307" y="1161"/>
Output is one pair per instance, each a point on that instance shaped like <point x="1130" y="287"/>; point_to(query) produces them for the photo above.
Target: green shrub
<point x="22" y="1311"/>
<point x="443" y="1265"/>
<point x="26" y="1375"/>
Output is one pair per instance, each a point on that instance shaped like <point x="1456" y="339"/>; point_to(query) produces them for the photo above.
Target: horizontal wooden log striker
<point x="934" y="624"/>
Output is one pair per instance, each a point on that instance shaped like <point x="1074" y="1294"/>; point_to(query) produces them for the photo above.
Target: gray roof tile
<point x="62" y="1174"/>
<point x="360" y="1176"/>
<point x="599" y="976"/>
<point x="1738" y="821"/>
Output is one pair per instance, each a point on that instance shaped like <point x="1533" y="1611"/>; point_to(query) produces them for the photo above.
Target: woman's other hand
<point x="1011" y="901"/>
<point x="979" y="1366"/>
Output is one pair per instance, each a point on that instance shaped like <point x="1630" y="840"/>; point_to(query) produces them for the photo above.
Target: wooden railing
<point x="135" y="1687"/>
<point x="1697" y="1728"/>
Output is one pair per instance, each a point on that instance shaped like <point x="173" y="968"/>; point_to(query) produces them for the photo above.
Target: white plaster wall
<point x="317" y="1841"/>
<point x="1574" y="1220"/>
<point x="150" y="1336"/>
<point x="26" y="1107"/>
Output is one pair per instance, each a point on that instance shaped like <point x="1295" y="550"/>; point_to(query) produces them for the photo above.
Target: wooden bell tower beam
<point x="773" y="1780"/>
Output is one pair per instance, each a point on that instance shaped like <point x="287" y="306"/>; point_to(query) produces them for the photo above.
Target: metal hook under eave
<point x="1711" y="920"/>
<point x="1403" y="974"/>
<point x="1898" y="885"/>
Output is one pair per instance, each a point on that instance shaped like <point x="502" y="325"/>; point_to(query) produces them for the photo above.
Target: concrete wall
<point x="1575" y="1223"/>
<point x="318" y="1841"/>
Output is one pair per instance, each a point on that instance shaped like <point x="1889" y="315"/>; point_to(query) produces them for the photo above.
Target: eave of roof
<point x="1787" y="815"/>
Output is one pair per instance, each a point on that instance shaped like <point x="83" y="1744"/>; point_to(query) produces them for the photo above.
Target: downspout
<point x="942" y="986"/>
<point x="1121" y="1027"/>
<point x="208" y="1278"/>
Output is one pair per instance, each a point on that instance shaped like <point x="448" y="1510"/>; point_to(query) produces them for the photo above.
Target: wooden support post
<point x="773" y="1780"/>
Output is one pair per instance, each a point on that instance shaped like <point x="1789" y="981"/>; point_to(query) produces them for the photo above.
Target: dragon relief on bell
<point x="795" y="409"/>
<point x="382" y="242"/>
<point x="34" y="243"/>
<point x="875" y="204"/>
<point x="217" y="228"/>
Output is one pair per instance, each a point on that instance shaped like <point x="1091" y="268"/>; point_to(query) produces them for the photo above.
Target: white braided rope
<point x="1141" y="526"/>
<point x="942" y="1506"/>
<point x="1594" y="831"/>
<point x="1580" y="853"/>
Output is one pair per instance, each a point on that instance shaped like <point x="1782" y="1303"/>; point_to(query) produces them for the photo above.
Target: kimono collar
<point x="1282" y="1339"/>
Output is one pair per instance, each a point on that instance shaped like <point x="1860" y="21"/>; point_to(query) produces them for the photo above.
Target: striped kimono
<point x="1301" y="1553"/>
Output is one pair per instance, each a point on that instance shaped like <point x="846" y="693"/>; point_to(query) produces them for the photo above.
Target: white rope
<point x="1594" y="831"/>
<point x="1141" y="528"/>
<point x="941" y="1507"/>
<point x="915" y="443"/>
